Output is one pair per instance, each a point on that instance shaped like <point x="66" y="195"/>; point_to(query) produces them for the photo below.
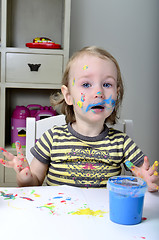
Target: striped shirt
<point x="82" y="161"/>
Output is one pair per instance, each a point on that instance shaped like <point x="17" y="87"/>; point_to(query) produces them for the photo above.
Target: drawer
<point x="34" y="68"/>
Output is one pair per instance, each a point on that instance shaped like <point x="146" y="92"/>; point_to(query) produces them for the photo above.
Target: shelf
<point x="33" y="86"/>
<point x="20" y="83"/>
<point x="34" y="50"/>
<point x="23" y="97"/>
<point x="30" y="19"/>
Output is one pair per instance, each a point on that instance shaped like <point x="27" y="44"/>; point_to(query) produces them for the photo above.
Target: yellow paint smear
<point x="156" y="173"/>
<point x="9" y="205"/>
<point x="88" y="211"/>
<point x="36" y="195"/>
<point x="155" y="164"/>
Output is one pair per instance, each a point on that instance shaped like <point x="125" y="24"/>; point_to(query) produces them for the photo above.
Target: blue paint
<point x="57" y="197"/>
<point x="102" y="103"/>
<point x="125" y="209"/>
<point x="7" y="196"/>
<point x="126" y="198"/>
<point x="68" y="199"/>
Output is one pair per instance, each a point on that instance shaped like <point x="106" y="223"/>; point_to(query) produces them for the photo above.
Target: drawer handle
<point x="34" y="67"/>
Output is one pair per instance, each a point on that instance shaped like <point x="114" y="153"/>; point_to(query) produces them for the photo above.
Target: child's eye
<point x="86" y="85"/>
<point x="107" y="85"/>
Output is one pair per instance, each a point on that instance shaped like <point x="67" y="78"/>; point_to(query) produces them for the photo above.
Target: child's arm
<point x="26" y="175"/>
<point x="147" y="172"/>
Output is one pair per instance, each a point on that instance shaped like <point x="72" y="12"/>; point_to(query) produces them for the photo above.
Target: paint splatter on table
<point x="67" y="202"/>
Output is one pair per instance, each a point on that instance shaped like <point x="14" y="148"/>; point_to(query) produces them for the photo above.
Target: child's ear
<point x="67" y="95"/>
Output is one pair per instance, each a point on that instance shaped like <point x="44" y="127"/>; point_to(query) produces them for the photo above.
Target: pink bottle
<point x="18" y="125"/>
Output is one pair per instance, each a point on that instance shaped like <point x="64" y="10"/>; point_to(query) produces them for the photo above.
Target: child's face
<point x="92" y="88"/>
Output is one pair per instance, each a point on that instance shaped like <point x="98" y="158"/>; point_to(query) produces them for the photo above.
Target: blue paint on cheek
<point x="108" y="101"/>
<point x="113" y="102"/>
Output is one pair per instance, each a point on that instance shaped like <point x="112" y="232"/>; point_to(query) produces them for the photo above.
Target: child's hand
<point x="18" y="163"/>
<point x="147" y="172"/>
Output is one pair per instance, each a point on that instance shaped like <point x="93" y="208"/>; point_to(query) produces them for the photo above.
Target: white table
<point x="43" y="213"/>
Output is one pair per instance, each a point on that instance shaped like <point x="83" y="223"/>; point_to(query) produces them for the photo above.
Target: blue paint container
<point x="126" y="199"/>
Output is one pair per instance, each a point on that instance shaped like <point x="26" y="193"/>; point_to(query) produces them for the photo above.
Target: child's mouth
<point x="97" y="109"/>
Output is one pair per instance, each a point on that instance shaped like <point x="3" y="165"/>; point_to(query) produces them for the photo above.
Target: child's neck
<point x="87" y="129"/>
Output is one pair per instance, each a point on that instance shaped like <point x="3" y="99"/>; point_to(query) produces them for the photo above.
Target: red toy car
<point x="43" y="42"/>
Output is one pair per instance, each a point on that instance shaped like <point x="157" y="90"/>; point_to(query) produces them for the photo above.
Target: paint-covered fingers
<point x="153" y="187"/>
<point x="149" y="174"/>
<point x="20" y="155"/>
<point x="18" y="163"/>
<point x="133" y="168"/>
<point x="153" y="169"/>
<point x="19" y="149"/>
<point x="7" y="154"/>
<point x="5" y="163"/>
<point x="146" y="164"/>
<point x="154" y="176"/>
<point x="15" y="164"/>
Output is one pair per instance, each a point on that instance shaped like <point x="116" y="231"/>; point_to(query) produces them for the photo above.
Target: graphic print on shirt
<point x="87" y="166"/>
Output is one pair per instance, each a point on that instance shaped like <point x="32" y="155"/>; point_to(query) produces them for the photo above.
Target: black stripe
<point x="76" y="185"/>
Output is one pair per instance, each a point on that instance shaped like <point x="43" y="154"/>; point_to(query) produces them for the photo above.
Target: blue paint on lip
<point x="102" y="103"/>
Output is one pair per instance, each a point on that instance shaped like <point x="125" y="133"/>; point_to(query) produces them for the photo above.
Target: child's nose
<point x="99" y="94"/>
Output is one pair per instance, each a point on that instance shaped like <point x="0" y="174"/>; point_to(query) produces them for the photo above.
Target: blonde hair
<point x="67" y="109"/>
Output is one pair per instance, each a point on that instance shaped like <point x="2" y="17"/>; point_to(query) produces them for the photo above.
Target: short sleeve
<point x="42" y="148"/>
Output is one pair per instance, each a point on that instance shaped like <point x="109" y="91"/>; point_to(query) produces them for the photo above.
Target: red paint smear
<point x="29" y="199"/>
<point x="144" y="218"/>
<point x="63" y="201"/>
<point x="60" y="193"/>
<point x="143" y="237"/>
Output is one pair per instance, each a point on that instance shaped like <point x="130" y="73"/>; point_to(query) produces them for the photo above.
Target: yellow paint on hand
<point x="88" y="211"/>
<point x="156" y="173"/>
<point x="155" y="164"/>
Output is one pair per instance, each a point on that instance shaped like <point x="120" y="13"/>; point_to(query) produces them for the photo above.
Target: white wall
<point x="129" y="29"/>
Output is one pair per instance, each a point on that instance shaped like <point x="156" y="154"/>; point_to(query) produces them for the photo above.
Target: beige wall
<point x="129" y="30"/>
